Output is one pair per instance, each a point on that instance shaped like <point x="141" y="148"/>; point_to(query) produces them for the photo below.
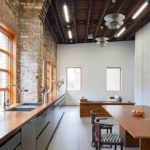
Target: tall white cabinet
<point x="142" y="66"/>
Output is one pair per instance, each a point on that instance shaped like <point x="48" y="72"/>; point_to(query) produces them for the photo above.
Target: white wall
<point x="142" y="66"/>
<point x="94" y="60"/>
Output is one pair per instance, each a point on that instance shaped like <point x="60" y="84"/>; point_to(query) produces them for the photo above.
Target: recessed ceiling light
<point x="70" y="34"/>
<point x="65" y="9"/>
<point x="120" y="32"/>
<point x="139" y="11"/>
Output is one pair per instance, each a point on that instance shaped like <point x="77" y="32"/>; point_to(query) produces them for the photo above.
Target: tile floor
<point x="74" y="133"/>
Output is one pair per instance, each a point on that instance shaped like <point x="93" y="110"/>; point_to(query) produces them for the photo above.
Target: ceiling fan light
<point x="140" y="10"/>
<point x="102" y="41"/>
<point x="114" y="25"/>
<point x="114" y="17"/>
<point x="114" y="21"/>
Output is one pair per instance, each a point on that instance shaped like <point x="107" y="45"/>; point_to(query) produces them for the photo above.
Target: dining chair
<point x="103" y="139"/>
<point x="108" y="127"/>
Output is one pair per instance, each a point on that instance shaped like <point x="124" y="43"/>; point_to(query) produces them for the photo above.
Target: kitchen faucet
<point x="6" y="101"/>
<point x="45" y="93"/>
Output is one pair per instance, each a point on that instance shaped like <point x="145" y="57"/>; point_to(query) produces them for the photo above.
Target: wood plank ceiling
<point x="87" y="17"/>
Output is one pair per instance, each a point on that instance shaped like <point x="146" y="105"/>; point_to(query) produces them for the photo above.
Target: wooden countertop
<point x="138" y="127"/>
<point x="107" y="103"/>
<point x="12" y="121"/>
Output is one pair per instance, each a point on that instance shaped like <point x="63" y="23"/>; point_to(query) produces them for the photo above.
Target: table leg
<point x="128" y="140"/>
<point x="144" y="144"/>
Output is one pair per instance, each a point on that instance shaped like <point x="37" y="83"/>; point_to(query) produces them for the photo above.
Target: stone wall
<point x="34" y="44"/>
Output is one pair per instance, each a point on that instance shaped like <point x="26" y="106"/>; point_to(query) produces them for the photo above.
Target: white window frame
<point x="80" y="78"/>
<point x="120" y="89"/>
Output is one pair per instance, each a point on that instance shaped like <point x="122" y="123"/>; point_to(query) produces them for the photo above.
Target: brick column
<point x="31" y="31"/>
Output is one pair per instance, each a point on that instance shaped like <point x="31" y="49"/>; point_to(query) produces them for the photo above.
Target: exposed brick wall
<point x="48" y="53"/>
<point x="34" y="41"/>
<point x="36" y="45"/>
<point x="9" y="13"/>
<point x="9" y="16"/>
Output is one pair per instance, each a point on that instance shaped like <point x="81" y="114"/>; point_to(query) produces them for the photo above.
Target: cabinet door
<point x="12" y="143"/>
<point x="29" y="135"/>
<point x="42" y="121"/>
<point x="44" y="138"/>
<point x="18" y="147"/>
<point x="52" y="118"/>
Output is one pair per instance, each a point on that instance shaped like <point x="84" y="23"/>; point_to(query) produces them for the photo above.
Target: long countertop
<point x="12" y="121"/>
<point x="107" y="102"/>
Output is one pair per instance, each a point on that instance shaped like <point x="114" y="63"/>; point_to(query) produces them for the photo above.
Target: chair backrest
<point x="97" y="130"/>
<point x="93" y="116"/>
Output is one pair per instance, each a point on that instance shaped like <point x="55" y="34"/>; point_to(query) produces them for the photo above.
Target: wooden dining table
<point x="135" y="130"/>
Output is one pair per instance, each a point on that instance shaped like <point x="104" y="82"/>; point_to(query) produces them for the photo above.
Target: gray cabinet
<point x="18" y="147"/>
<point x="29" y="135"/>
<point x="12" y="143"/>
<point x="44" y="138"/>
<point x="52" y="114"/>
<point x="59" y="110"/>
<point x="37" y="133"/>
<point x="42" y="121"/>
<point x="44" y="129"/>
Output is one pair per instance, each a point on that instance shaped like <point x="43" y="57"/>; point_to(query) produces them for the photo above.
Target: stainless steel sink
<point x="25" y="107"/>
<point x="20" y="109"/>
<point x="32" y="104"/>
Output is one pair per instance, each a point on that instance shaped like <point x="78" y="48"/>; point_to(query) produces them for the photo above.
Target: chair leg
<point x="100" y="146"/>
<point x="111" y="130"/>
<point x="96" y="146"/>
<point x="121" y="146"/>
<point x="93" y="138"/>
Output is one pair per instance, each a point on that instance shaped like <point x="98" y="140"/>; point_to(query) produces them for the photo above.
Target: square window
<point x="114" y="79"/>
<point x="73" y="79"/>
<point x="4" y="41"/>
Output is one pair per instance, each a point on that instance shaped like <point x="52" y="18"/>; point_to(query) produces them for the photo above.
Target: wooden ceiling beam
<point x="121" y="6"/>
<point x="73" y="5"/>
<point x="89" y="18"/>
<point x="129" y="16"/>
<point x="136" y="22"/>
<point x="101" y="18"/>
<point x="138" y="4"/>
<point x="51" y="30"/>
<point x="59" y="12"/>
<point x="57" y="23"/>
<point x="137" y="25"/>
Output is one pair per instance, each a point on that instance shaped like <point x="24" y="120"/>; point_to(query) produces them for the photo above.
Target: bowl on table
<point x="138" y="112"/>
